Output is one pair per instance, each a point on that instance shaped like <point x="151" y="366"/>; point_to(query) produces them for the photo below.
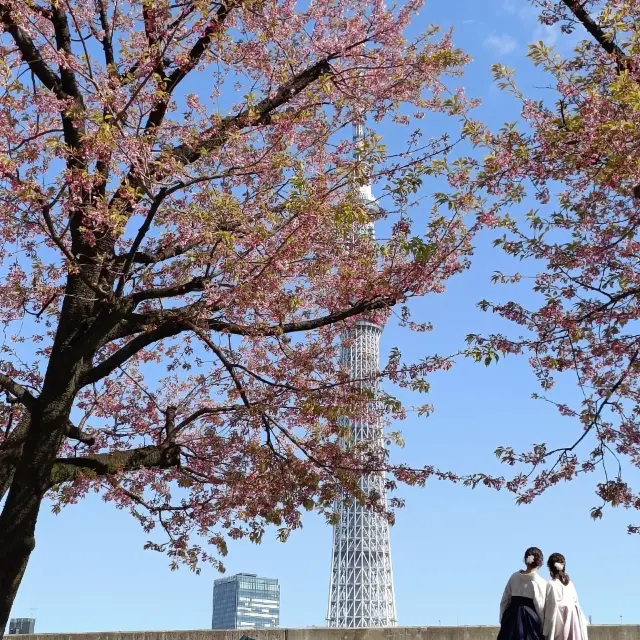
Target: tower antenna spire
<point x="361" y="592"/>
<point x="365" y="191"/>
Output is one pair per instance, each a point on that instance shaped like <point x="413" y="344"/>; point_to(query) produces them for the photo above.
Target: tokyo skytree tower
<point x="361" y="591"/>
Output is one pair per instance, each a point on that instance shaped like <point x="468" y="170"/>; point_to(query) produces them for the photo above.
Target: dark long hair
<point x="538" y="558"/>
<point x="556" y="573"/>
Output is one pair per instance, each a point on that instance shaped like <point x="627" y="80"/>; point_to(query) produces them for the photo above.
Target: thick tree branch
<point x="146" y="258"/>
<point x="16" y="438"/>
<point x="21" y="394"/>
<point x="63" y="86"/>
<point x="74" y="433"/>
<point x="132" y="347"/>
<point x="611" y="302"/>
<point x="170" y="422"/>
<point x="206" y="411"/>
<point x="116" y="462"/>
<point x="31" y="55"/>
<point x="203" y="43"/>
<point x="223" y="326"/>
<point x="11" y="449"/>
<point x="191" y="286"/>
<point x="44" y="12"/>
<point x="261" y="114"/>
<point x="216" y="136"/>
<point x="107" y="42"/>
<point x="170" y="323"/>
<point x="604" y="39"/>
<point x="156" y="117"/>
<point x="73" y="132"/>
<point x="140" y="236"/>
<point x="302" y="325"/>
<point x="63" y="42"/>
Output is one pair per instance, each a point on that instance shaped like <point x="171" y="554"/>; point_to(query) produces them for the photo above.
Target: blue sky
<point x="453" y="548"/>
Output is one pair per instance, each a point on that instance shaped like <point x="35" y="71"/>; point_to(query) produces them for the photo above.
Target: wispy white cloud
<point x="526" y="12"/>
<point x="502" y="44"/>
<point x="547" y="33"/>
<point x="528" y="15"/>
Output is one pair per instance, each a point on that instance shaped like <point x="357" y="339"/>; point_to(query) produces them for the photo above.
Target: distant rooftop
<point x="243" y="575"/>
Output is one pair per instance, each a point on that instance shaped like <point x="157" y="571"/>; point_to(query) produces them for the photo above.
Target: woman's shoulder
<point x="540" y="580"/>
<point x="521" y="576"/>
<point x="562" y="590"/>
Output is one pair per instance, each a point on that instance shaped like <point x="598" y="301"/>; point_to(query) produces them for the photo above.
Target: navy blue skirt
<point x="520" y="621"/>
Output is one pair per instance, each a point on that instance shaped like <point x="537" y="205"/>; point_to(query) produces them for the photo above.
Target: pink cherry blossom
<point x="180" y="252"/>
<point x="578" y="155"/>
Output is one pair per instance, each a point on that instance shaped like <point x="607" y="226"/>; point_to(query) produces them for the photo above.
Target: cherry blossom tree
<point x="579" y="156"/>
<point x="180" y="251"/>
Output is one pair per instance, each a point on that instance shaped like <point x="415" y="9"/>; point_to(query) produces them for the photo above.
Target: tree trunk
<point x="72" y="347"/>
<point x="10" y="453"/>
<point x="31" y="480"/>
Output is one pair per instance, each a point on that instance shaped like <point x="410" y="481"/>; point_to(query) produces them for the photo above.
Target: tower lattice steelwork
<point x="361" y="592"/>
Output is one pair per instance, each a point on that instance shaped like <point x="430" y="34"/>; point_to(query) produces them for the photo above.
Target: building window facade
<point x="246" y="601"/>
<point x="22" y="626"/>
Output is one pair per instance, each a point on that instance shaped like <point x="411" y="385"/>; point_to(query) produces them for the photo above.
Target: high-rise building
<point x="245" y="601"/>
<point x="361" y="592"/>
<point x="22" y="626"/>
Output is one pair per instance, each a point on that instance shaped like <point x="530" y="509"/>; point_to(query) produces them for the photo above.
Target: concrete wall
<point x="596" y="632"/>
